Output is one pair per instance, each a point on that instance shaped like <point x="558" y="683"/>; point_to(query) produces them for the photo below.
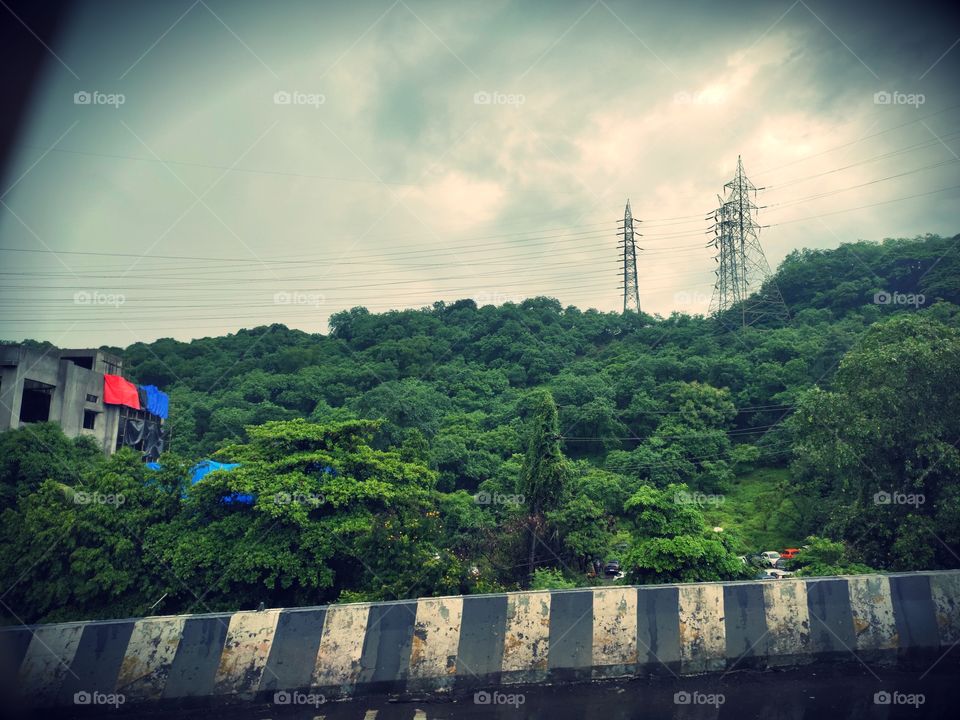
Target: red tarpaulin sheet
<point x="117" y="391"/>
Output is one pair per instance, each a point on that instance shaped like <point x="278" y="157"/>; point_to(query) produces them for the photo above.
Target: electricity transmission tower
<point x="745" y="285"/>
<point x="631" y="289"/>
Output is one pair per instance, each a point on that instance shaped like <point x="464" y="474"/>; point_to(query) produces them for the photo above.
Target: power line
<point x="858" y="140"/>
<point x="863" y="207"/>
<point x="884" y="156"/>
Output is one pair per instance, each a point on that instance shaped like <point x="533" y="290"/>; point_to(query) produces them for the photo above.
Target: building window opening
<point x="91" y="398"/>
<point x="35" y="401"/>
<point x="84" y="361"/>
<point x="89" y="419"/>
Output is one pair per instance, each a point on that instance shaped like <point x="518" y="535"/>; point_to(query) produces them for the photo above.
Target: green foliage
<point x="821" y="556"/>
<point x="671" y="542"/>
<point x="78" y="550"/>
<point x="878" y="451"/>
<point x="37" y="452"/>
<point x="331" y="513"/>
<point x="760" y="510"/>
<point x="550" y="579"/>
<point x="544" y="470"/>
<point x="544" y="473"/>
<point x="589" y="433"/>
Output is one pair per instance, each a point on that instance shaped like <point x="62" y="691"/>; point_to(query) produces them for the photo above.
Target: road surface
<point x="814" y="692"/>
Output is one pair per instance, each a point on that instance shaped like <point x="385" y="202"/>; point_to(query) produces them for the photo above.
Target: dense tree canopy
<point x="460" y="448"/>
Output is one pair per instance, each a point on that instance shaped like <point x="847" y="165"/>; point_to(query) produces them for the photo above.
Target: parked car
<point x="612" y="567"/>
<point x="770" y="556"/>
<point x="781" y="563"/>
<point x="789" y="553"/>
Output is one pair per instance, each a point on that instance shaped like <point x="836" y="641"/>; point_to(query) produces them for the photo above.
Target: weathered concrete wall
<point x="72" y="384"/>
<point x="462" y="643"/>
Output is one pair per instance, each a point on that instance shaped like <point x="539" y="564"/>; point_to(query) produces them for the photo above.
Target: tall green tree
<point x="544" y="472"/>
<point x="879" y="451"/>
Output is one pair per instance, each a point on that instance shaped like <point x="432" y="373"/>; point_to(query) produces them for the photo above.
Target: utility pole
<point x="631" y="288"/>
<point x="744" y="284"/>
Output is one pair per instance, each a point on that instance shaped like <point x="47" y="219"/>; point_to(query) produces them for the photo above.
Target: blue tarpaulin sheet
<point x="204" y="467"/>
<point x="157" y="401"/>
<point x="208" y="466"/>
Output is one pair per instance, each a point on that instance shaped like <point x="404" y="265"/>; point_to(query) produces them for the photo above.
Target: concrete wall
<point x="72" y="383"/>
<point x="464" y="643"/>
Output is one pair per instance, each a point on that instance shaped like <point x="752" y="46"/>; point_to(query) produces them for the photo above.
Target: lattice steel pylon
<point x="745" y="284"/>
<point x="631" y="288"/>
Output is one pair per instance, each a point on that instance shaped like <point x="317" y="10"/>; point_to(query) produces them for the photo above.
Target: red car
<point x="789" y="553"/>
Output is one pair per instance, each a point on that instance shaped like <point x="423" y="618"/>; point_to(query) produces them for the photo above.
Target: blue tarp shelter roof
<point x="205" y="467"/>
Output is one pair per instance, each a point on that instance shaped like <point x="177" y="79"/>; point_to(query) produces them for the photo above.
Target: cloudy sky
<point x="191" y="168"/>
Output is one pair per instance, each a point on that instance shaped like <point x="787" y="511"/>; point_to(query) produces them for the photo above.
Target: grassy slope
<point x="756" y="512"/>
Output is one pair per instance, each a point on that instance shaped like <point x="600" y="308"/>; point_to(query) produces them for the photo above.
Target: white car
<point x="770" y="556"/>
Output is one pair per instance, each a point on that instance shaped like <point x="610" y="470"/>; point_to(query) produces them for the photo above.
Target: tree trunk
<point x="533" y="549"/>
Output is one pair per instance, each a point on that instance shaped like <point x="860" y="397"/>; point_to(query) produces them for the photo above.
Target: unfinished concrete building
<point x="61" y="386"/>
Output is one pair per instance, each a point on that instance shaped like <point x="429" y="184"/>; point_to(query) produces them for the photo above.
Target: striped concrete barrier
<point x="464" y="643"/>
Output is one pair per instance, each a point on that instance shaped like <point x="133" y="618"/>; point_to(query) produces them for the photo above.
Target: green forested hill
<point x="440" y="450"/>
<point x="610" y="374"/>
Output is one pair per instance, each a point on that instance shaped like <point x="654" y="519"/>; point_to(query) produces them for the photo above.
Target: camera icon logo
<point x="882" y="698"/>
<point x="682" y="698"/>
<point x="281" y="697"/>
<point x="482" y="98"/>
<point x="482" y="698"/>
<point x="881" y="298"/>
<point x="82" y="97"/>
<point x="483" y="498"/>
<point x="82" y="698"/>
<point x="882" y="498"/>
<point x="282" y="97"/>
<point x="882" y="98"/>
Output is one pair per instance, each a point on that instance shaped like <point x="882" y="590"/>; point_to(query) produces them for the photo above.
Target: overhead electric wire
<point x="863" y="207"/>
<point x="934" y="142"/>
<point x="830" y="193"/>
<point x="858" y="140"/>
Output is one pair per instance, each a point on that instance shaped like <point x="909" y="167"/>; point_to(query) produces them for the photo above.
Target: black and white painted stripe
<point x="483" y="641"/>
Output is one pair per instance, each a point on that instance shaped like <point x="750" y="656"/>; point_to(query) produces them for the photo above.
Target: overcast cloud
<point x="280" y="162"/>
